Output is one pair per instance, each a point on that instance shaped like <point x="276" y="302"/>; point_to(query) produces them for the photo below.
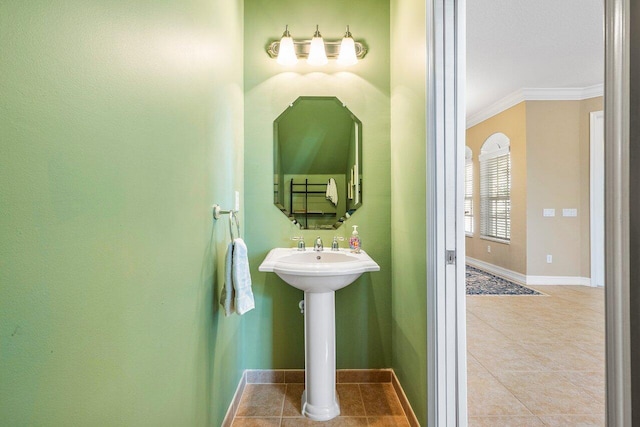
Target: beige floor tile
<point x="487" y="396"/>
<point x="388" y="422"/>
<point x="293" y="400"/>
<point x="573" y="420"/>
<point x="256" y="422"/>
<point x="596" y="350"/>
<point x="508" y="421"/>
<point x="262" y="400"/>
<point x="380" y="400"/>
<point x="593" y="382"/>
<point x="507" y="356"/>
<point x="562" y="356"/>
<point x="351" y="404"/>
<point x="548" y="352"/>
<point x="549" y="393"/>
<point x="336" y="422"/>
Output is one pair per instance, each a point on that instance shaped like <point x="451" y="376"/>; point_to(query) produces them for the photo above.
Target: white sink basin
<point x="313" y="271"/>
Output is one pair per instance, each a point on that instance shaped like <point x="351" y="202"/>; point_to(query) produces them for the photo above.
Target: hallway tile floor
<point x="537" y="360"/>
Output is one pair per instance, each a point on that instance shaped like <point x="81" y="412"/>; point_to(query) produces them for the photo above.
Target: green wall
<point x="120" y="126"/>
<point x="408" y="200"/>
<point x="363" y="309"/>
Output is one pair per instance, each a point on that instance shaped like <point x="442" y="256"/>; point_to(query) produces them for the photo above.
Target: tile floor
<point x="278" y="405"/>
<point x="537" y="360"/>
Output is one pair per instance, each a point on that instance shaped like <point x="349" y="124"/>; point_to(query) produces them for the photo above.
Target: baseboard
<point x="408" y="411"/>
<point x="528" y="280"/>
<point x="235" y="402"/>
<point x="280" y="376"/>
<point x="558" y="280"/>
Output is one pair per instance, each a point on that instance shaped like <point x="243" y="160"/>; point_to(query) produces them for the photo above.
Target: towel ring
<point x="233" y="216"/>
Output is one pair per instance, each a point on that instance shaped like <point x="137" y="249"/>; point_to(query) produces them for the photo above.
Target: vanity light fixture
<point x="317" y="54"/>
<point x="347" y="54"/>
<point x="287" y="53"/>
<point x="287" y="50"/>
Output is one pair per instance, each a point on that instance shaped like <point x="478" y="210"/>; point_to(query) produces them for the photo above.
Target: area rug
<point x="482" y="283"/>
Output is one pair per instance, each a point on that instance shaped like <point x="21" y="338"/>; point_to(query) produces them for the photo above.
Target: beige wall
<point x="558" y="177"/>
<point x="553" y="172"/>
<point x="550" y="169"/>
<point x="513" y="256"/>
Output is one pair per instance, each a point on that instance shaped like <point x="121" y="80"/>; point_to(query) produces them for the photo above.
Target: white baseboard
<point x="558" y="280"/>
<point x="527" y="280"/>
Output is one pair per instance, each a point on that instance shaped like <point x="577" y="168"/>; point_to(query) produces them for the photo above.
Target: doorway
<point x="446" y="29"/>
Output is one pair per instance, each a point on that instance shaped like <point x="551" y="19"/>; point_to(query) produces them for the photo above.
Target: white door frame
<point x="446" y="308"/>
<point x="445" y="154"/>
<point x="596" y="196"/>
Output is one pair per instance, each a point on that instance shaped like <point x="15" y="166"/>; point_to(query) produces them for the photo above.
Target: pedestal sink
<point x="319" y="274"/>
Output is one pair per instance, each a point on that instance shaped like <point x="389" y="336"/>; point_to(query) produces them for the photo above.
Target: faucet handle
<point x="334" y="245"/>
<point x="300" y="240"/>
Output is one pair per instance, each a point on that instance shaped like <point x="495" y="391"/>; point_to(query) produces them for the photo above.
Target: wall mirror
<point x="317" y="152"/>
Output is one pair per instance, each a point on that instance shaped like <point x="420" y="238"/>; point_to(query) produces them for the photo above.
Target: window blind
<point x="468" y="197"/>
<point x="495" y="197"/>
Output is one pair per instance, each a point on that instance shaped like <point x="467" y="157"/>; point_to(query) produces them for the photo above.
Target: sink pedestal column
<point x="319" y="399"/>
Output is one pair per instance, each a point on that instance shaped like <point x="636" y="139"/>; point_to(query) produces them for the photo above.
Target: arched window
<point x="468" y="191"/>
<point x="495" y="188"/>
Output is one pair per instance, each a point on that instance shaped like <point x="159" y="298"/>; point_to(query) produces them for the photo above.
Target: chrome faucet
<point x="300" y="240"/>
<point x="317" y="246"/>
<point x="334" y="245"/>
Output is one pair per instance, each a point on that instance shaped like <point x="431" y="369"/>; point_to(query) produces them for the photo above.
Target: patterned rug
<point x="483" y="283"/>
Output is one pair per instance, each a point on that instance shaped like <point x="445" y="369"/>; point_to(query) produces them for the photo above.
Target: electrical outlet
<point x="237" y="201"/>
<point x="549" y="259"/>
<point x="488" y="249"/>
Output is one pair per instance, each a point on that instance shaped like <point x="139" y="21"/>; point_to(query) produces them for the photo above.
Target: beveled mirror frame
<point x="301" y="180"/>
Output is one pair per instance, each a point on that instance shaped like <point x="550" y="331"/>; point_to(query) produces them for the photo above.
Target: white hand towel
<point x="242" y="277"/>
<point x="226" y="298"/>
<point x="332" y="191"/>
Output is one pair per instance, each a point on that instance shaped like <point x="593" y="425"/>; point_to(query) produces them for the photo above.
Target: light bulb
<point x="286" y="51"/>
<point x="347" y="54"/>
<point x="317" y="55"/>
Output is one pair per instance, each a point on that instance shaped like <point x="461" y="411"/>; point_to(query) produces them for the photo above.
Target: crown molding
<point x="535" y="94"/>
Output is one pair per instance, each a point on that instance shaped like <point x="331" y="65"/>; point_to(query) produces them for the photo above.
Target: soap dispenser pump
<point x="354" y="240"/>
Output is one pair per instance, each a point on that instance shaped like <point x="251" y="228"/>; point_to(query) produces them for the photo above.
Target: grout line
<point x="364" y="407"/>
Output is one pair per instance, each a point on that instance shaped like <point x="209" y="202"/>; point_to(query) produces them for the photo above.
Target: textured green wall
<point x="363" y="309"/>
<point x="408" y="201"/>
<point x="119" y="128"/>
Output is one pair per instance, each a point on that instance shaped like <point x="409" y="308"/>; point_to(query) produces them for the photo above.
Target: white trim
<point x="493" y="154"/>
<point x="535" y="94"/>
<point x="523" y="279"/>
<point x="596" y="196"/>
<point x="558" y="280"/>
<point x="446" y="300"/>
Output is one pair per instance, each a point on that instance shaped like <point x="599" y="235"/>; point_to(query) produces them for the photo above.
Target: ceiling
<point x="518" y="44"/>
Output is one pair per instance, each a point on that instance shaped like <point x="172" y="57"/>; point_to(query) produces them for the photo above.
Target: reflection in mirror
<point x="317" y="154"/>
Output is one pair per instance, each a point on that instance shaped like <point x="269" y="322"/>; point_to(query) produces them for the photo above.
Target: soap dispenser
<point x="354" y="240"/>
